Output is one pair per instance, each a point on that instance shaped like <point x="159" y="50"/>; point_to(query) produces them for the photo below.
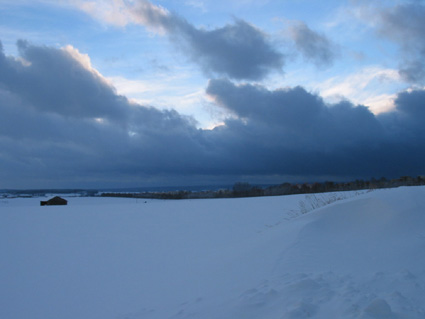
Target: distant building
<point x="54" y="201"/>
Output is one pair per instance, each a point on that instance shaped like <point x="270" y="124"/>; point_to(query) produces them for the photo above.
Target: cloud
<point x="315" y="47"/>
<point x="54" y="76"/>
<point x="113" y="12"/>
<point x="291" y="131"/>
<point x="411" y="104"/>
<point x="401" y="22"/>
<point x="62" y="121"/>
<point x="238" y="50"/>
<point x="369" y="86"/>
<point x="405" y="25"/>
<point x="199" y="5"/>
<point x="63" y="125"/>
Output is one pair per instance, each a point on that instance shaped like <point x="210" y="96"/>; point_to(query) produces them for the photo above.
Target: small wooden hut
<point x="54" y="201"/>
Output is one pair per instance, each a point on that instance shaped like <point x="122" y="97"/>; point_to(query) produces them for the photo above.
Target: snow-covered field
<point x="110" y="258"/>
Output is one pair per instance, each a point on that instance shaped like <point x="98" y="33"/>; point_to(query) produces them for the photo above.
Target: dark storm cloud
<point x="60" y="120"/>
<point x="405" y="24"/>
<point x="313" y="46"/>
<point x="62" y="124"/>
<point x="238" y="50"/>
<point x="52" y="80"/>
<point x="292" y="131"/>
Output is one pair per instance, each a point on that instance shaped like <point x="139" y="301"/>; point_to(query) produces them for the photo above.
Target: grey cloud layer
<point x="292" y="130"/>
<point x="62" y="124"/>
<point x="239" y="50"/>
<point x="61" y="120"/>
<point x="405" y="24"/>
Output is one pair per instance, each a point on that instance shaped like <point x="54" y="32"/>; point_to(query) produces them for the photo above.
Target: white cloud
<point x="353" y="17"/>
<point x="85" y="61"/>
<point x="124" y="12"/>
<point x="200" y="5"/>
<point x="83" y="58"/>
<point x="370" y="87"/>
<point x="165" y="94"/>
<point x="129" y="87"/>
<point x="380" y="103"/>
<point x="110" y="11"/>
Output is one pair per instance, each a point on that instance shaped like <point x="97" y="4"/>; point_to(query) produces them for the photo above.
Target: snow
<point x="120" y="258"/>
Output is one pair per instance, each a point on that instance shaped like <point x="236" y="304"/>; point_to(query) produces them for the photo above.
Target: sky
<point x="126" y="93"/>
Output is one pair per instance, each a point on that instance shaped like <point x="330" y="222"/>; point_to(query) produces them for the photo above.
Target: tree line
<point x="243" y="189"/>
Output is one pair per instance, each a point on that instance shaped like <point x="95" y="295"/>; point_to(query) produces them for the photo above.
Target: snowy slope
<point x="109" y="258"/>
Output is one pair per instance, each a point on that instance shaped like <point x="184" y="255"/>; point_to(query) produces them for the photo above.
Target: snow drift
<point x="110" y="258"/>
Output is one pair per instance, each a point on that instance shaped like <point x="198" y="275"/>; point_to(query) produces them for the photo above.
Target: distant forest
<point x="242" y="189"/>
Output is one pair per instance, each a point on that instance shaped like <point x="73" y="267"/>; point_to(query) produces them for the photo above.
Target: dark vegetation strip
<point x="247" y="190"/>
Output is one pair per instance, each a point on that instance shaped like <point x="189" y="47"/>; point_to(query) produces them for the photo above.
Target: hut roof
<point x="54" y="201"/>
